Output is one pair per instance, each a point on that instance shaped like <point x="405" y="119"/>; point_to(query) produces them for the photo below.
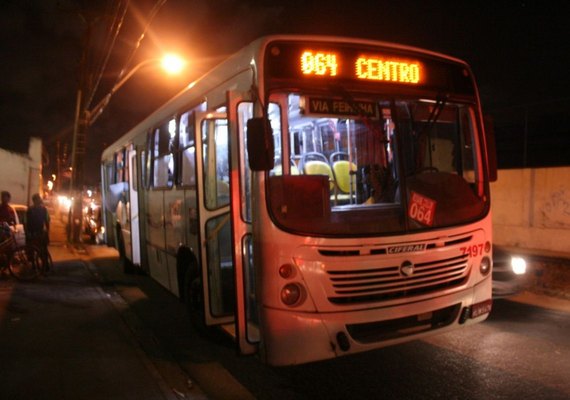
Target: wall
<point x="20" y="174"/>
<point x="531" y="208"/>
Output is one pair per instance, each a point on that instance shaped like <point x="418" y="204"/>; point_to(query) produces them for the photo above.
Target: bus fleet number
<point x="473" y="251"/>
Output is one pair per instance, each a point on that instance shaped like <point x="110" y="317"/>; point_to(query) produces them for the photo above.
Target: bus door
<point x="134" y="207"/>
<point x="240" y="108"/>
<point x="213" y="171"/>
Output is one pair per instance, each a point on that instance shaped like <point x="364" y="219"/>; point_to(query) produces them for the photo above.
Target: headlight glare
<point x="518" y="264"/>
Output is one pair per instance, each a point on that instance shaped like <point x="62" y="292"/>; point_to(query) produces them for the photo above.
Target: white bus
<point x="313" y="197"/>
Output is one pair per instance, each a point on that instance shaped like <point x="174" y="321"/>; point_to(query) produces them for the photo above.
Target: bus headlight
<point x="485" y="266"/>
<point x="518" y="264"/>
<point x="292" y="294"/>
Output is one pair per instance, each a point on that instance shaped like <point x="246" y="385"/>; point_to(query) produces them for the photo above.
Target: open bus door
<point x="213" y="181"/>
<point x="226" y="241"/>
<point x="134" y="207"/>
<point x="246" y="314"/>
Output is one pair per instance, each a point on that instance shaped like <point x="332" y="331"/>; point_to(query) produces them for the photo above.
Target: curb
<point x="172" y="380"/>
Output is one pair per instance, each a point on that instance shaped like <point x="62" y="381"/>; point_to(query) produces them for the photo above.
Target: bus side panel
<point x="158" y="266"/>
<point x="174" y="223"/>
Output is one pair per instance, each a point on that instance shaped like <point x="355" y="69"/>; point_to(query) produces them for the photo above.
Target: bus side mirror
<point x="491" y="148"/>
<point x="260" y="149"/>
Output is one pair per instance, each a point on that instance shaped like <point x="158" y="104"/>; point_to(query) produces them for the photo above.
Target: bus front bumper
<point x="292" y="337"/>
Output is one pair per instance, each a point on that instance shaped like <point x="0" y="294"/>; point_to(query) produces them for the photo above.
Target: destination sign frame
<point x="312" y="105"/>
<point x="341" y="63"/>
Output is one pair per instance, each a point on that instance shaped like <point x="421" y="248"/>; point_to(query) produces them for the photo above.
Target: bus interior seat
<point x="314" y="163"/>
<point x="342" y="170"/>
<point x="278" y="170"/>
<point x="337" y="156"/>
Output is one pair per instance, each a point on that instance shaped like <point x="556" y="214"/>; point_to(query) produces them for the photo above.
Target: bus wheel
<point x="124" y="262"/>
<point x="194" y="300"/>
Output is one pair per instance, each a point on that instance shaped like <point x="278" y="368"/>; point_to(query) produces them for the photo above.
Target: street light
<point x="171" y="63"/>
<point x="85" y="118"/>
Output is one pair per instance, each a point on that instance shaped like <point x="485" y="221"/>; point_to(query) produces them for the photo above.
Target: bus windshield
<point x="370" y="166"/>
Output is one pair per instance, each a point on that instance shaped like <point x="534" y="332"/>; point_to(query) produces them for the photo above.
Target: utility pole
<point x="78" y="144"/>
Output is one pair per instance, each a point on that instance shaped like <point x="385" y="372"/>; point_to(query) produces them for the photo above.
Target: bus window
<point x="188" y="164"/>
<point x="187" y="146"/>
<point x="220" y="265"/>
<point x="216" y="163"/>
<point x="186" y="130"/>
<point x="245" y="112"/>
<point x="274" y="113"/>
<point x="164" y="140"/>
<point x="119" y="166"/>
<point x="110" y="175"/>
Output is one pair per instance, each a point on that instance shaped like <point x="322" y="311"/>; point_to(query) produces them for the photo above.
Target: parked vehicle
<point x="20" y="233"/>
<point x="509" y="271"/>
<point x="92" y="223"/>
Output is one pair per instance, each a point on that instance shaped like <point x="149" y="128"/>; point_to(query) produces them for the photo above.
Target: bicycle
<point x="40" y="243"/>
<point x="23" y="262"/>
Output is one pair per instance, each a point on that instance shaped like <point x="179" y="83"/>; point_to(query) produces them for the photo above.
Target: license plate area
<point x="481" y="308"/>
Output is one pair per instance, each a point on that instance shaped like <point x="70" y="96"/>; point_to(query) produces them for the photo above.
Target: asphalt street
<point x="521" y="352"/>
<point x="89" y="331"/>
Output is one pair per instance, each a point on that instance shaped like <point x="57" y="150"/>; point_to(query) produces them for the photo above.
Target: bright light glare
<point x="518" y="264"/>
<point x="172" y="63"/>
<point x="64" y="202"/>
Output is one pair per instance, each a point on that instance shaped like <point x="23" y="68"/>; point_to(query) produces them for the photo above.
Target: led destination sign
<point x="375" y="68"/>
<point x="296" y="64"/>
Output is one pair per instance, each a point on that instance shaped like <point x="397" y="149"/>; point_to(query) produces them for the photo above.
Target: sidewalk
<point x="64" y="337"/>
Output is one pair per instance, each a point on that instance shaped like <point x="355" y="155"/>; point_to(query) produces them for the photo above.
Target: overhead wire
<point x="111" y="39"/>
<point x="157" y="6"/>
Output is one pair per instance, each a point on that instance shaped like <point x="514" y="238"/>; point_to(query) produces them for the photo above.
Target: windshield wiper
<point x="440" y="102"/>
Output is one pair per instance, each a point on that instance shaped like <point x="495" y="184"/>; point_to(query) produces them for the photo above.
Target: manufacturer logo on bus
<point x="407" y="269"/>
<point x="408" y="248"/>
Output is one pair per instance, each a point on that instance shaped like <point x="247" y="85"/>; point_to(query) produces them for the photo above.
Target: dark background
<point x="518" y="51"/>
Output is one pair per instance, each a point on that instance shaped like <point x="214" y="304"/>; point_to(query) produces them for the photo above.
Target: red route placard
<point x="421" y="209"/>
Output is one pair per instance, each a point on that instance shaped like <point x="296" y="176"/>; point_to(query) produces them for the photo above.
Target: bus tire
<point x="124" y="263"/>
<point x="194" y="300"/>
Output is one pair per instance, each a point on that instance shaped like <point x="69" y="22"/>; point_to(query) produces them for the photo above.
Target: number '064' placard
<point x="421" y="209"/>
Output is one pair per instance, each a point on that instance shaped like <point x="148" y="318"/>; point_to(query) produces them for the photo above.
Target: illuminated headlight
<point x="485" y="266"/>
<point x="292" y="294"/>
<point x="518" y="264"/>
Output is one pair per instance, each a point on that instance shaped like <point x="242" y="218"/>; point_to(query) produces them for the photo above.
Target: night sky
<point x="519" y="52"/>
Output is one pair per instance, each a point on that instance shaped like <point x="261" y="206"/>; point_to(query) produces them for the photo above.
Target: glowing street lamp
<point x="84" y="118"/>
<point x="172" y="63"/>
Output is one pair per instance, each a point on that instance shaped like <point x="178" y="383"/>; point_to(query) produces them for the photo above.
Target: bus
<point x="313" y="197"/>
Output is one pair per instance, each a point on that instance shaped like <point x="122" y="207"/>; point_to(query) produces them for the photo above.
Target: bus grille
<point x="380" y="284"/>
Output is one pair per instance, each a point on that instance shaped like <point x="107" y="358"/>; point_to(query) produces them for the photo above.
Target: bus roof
<point x="240" y="61"/>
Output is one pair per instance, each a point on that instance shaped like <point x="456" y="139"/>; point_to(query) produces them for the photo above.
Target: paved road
<point x="521" y="352"/>
<point x="63" y="337"/>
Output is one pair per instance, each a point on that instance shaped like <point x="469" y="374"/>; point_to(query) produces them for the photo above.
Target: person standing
<point x="37" y="226"/>
<point x="7" y="213"/>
